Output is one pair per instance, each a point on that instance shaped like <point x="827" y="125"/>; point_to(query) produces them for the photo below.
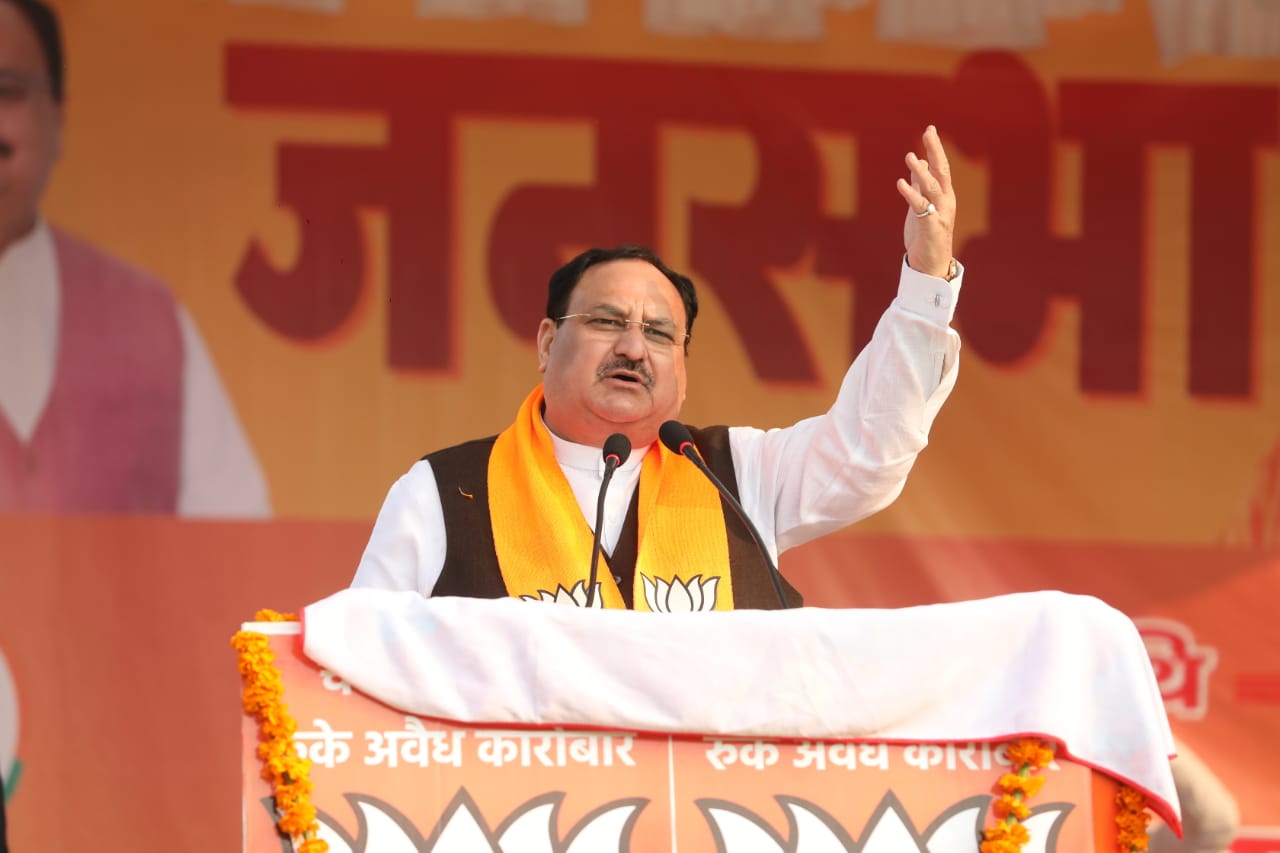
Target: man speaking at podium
<point x="505" y="515"/>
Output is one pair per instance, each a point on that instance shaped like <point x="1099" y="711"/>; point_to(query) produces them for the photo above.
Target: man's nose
<point x="631" y="342"/>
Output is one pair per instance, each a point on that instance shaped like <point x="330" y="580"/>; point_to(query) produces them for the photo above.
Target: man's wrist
<point x="947" y="272"/>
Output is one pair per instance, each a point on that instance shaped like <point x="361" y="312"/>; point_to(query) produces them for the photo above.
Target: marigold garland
<point x="1132" y="819"/>
<point x="288" y="774"/>
<point x="1029" y="757"/>
<point x="1009" y="835"/>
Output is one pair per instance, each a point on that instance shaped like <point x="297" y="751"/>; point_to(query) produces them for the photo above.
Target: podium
<point x="464" y="725"/>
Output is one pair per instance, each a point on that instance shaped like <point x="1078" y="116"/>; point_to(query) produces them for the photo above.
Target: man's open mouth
<point x="633" y="373"/>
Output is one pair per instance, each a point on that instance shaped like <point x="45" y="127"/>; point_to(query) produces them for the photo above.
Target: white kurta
<point x="796" y="483"/>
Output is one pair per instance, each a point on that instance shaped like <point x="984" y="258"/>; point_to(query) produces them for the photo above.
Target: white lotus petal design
<point x="528" y="830"/>
<point x="891" y="830"/>
<point x="737" y="830"/>
<point x="958" y="827"/>
<point x="576" y="597"/>
<point x="888" y="830"/>
<point x="382" y="828"/>
<point x="531" y="828"/>
<point x="1044" y="825"/>
<point x="337" y="843"/>
<point x="608" y="828"/>
<point x="815" y="831"/>
<point x="460" y="832"/>
<point x="678" y="596"/>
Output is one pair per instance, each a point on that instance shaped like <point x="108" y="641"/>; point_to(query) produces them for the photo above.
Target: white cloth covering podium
<point x="1068" y="668"/>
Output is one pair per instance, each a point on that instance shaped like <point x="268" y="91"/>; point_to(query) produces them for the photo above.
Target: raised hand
<point x="931" y="208"/>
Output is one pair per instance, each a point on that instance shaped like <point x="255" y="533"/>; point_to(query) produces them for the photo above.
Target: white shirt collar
<point x="584" y="457"/>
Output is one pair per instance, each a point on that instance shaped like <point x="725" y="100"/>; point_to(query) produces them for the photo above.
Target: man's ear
<point x="546" y="334"/>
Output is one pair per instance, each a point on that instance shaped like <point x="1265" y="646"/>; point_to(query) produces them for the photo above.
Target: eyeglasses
<point x="658" y="334"/>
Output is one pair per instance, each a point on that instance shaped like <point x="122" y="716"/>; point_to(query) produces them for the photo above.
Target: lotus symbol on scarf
<point x="531" y="828"/>
<point x="888" y="830"/>
<point x="576" y="597"/>
<point x="679" y="596"/>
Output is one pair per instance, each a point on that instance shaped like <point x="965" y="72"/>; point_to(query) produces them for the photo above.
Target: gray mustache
<point x="637" y="367"/>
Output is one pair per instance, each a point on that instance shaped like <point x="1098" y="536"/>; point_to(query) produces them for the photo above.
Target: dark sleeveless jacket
<point x="471" y="560"/>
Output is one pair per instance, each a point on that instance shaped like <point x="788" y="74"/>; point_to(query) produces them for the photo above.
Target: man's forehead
<point x="620" y="283"/>
<point x="20" y="48"/>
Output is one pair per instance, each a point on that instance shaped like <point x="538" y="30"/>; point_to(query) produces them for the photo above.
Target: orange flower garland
<point x="1132" y="819"/>
<point x="288" y="774"/>
<point x="1031" y="756"/>
<point x="1009" y="835"/>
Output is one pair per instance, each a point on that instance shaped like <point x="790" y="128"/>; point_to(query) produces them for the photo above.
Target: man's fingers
<point x="921" y="176"/>
<point x="941" y="168"/>
<point x="912" y="196"/>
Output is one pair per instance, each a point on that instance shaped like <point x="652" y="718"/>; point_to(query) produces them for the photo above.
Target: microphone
<point x="675" y="436"/>
<point x="617" y="447"/>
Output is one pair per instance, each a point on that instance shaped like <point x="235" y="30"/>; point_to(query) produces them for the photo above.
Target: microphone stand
<point x="677" y="439"/>
<point x="616" y="447"/>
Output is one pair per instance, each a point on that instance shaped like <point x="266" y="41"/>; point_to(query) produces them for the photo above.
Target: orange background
<point x="115" y="628"/>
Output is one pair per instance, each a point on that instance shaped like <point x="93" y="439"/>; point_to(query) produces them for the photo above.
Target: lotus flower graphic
<point x="888" y="830"/>
<point x="576" y="597"/>
<point x="679" y="596"/>
<point x="10" y="766"/>
<point x="462" y="829"/>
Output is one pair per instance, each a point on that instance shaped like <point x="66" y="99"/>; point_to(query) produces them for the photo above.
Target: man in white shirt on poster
<point x="109" y="401"/>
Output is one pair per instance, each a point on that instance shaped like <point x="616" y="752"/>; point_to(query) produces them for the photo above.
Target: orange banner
<point x="383" y="779"/>
<point x="288" y="246"/>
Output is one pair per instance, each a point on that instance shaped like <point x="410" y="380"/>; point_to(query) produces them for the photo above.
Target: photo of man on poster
<point x="109" y="400"/>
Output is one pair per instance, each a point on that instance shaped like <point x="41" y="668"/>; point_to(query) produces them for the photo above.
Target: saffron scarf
<point x="544" y="543"/>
